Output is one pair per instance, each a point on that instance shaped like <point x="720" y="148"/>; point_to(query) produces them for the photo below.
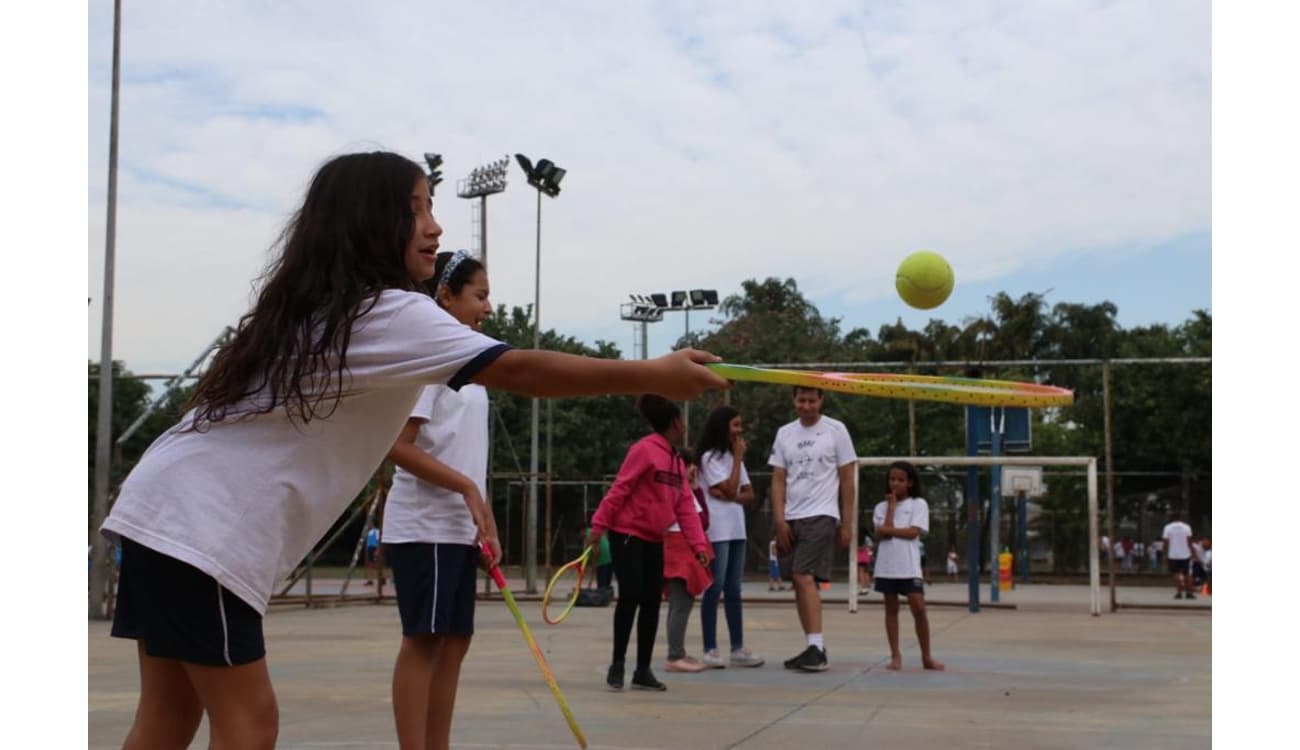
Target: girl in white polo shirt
<point x="721" y="450"/>
<point x="288" y="424"/>
<point x="900" y="520"/>
<point x="429" y="534"/>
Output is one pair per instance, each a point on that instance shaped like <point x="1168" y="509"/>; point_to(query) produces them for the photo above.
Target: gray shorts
<point x="813" y="542"/>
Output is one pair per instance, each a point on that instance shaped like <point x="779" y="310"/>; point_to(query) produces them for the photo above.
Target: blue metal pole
<point x="973" y="511"/>
<point x="995" y="501"/>
<point x="1022" y="517"/>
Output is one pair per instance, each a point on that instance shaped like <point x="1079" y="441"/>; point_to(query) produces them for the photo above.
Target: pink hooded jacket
<point x="649" y="494"/>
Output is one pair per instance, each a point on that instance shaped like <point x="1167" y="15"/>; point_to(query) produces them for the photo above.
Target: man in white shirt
<point x="813" y="462"/>
<point x="1177" y="537"/>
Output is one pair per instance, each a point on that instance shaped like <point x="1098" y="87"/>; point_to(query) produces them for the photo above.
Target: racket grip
<point x="498" y="577"/>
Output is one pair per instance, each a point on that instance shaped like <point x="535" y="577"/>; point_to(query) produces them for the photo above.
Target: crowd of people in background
<point x="1178" y="550"/>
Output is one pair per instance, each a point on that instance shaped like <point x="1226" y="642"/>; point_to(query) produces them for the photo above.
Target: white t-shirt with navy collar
<point x="454" y="430"/>
<point x="244" y="500"/>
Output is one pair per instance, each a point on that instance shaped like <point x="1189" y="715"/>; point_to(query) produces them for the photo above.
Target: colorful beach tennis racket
<point x="571" y="574"/>
<point x="500" y="580"/>
<point x="953" y="390"/>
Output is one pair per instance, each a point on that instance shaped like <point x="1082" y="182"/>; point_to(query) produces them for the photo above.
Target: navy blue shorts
<point x="435" y="586"/>
<point x="179" y="612"/>
<point x="900" y="586"/>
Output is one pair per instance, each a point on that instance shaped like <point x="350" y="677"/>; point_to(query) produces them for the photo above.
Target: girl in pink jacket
<point x="649" y="494"/>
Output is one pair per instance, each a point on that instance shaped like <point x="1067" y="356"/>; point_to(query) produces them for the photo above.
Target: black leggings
<point x="639" y="567"/>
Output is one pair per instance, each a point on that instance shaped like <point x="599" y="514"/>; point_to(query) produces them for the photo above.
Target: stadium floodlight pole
<point x="682" y="301"/>
<point x="483" y="181"/>
<point x="643" y="310"/>
<point x="435" y="170"/>
<point x="104" y="425"/>
<point x="546" y="177"/>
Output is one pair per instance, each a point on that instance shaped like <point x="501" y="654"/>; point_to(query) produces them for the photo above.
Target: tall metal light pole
<point x="104" y="425"/>
<point x="483" y="181"/>
<point x="546" y="177"/>
<point x="643" y="310"/>
<point x="696" y="299"/>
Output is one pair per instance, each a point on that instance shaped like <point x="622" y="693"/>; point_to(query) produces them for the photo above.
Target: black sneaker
<point x="645" y="680"/>
<point x="1179" y="595"/>
<point x="614" y="678"/>
<point x="813" y="659"/>
<point x="1190" y="595"/>
<point x="793" y="662"/>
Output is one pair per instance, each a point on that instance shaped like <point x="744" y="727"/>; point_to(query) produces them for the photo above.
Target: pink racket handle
<point x="498" y="577"/>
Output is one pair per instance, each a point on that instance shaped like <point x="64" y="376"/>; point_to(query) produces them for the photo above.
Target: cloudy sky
<point x="1059" y="148"/>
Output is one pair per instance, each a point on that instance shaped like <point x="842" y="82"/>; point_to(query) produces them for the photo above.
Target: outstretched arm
<point x="678" y="376"/>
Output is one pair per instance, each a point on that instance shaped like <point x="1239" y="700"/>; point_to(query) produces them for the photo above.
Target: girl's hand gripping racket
<point x="500" y="579"/>
<point x="572" y="573"/>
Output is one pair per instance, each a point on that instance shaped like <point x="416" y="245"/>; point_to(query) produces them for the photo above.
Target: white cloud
<point x="704" y="145"/>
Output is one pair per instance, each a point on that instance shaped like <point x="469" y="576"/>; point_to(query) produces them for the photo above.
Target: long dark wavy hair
<point x="717" y="431"/>
<point x="344" y="245"/>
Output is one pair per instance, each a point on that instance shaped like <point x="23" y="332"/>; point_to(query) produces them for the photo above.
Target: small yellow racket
<point x="571" y="574"/>
<point x="953" y="390"/>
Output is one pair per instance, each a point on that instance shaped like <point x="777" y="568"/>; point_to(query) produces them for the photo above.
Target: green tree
<point x="131" y="396"/>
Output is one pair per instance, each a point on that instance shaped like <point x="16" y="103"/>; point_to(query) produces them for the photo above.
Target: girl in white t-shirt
<point x="289" y="422"/>
<point x="721" y="451"/>
<point x="429" y="534"/>
<point x="900" y="520"/>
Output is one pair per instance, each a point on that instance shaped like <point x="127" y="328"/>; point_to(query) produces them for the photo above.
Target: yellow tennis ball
<point x="924" y="280"/>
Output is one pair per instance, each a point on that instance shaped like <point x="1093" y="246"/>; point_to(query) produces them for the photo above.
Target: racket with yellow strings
<point x="947" y="389"/>
<point x="567" y="582"/>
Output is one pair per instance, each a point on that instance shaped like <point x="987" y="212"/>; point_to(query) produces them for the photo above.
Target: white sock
<point x="815" y="639"/>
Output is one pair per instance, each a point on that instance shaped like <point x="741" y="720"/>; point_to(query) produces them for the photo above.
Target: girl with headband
<point x="285" y="428"/>
<point x="430" y="538"/>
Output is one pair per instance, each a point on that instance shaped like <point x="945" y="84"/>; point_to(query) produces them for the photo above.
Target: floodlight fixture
<point x="488" y="179"/>
<point x="525" y="165"/>
<point x="483" y="181"/>
<point x="659" y="299"/>
<point x="545" y="175"/>
<point x="679" y="300"/>
<point x="435" y="169"/>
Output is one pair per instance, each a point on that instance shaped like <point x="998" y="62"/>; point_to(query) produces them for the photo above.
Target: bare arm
<point x="886" y="529"/>
<point x="743" y="496"/>
<point x="406" y="454"/>
<point x="778" y="509"/>
<point x="911" y="532"/>
<point x="544" y="374"/>
<point x="729" y="488"/>
<point x="846" y="473"/>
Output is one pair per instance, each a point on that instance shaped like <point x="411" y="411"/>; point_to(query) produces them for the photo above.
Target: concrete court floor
<point x="1023" y="678"/>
